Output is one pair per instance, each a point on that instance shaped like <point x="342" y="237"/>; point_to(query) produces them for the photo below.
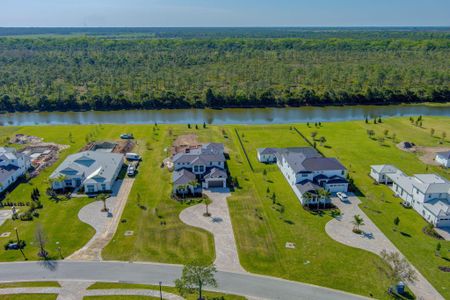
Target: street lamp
<point x="160" y="290"/>
<point x="59" y="250"/>
<point x="18" y="243"/>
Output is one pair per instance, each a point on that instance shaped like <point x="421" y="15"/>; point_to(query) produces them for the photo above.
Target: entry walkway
<point x="104" y="223"/>
<point x="219" y="224"/>
<point x="373" y="240"/>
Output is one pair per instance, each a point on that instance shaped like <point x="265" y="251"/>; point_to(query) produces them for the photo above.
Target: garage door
<point x="215" y="184"/>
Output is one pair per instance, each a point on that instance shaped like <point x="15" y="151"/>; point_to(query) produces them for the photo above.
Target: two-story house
<point x="428" y="194"/>
<point x="205" y="165"/>
<point x="308" y="172"/>
<point x="12" y="165"/>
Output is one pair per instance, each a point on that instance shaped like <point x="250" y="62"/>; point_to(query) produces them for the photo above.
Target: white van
<point x="132" y="156"/>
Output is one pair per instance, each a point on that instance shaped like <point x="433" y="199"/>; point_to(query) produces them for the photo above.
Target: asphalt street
<point x="151" y="273"/>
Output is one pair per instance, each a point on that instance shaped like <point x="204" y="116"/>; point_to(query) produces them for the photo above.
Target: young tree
<point x="323" y="194"/>
<point x="322" y="140"/>
<point x="444" y="135"/>
<point x="400" y="269"/>
<point x="204" y="125"/>
<point x="396" y="222"/>
<point x="195" y="276"/>
<point x="41" y="241"/>
<point x="432" y="131"/>
<point x="370" y="133"/>
<point x="274" y="198"/>
<point x="358" y="221"/>
<point x="386" y="132"/>
<point x="207" y="202"/>
<point x="189" y="125"/>
<point x="103" y="197"/>
<point x="313" y="135"/>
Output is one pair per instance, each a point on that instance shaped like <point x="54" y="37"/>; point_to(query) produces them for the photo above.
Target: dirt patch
<point x="184" y="142"/>
<point x="43" y="155"/>
<point x="123" y="146"/>
<point x="428" y="154"/>
<point x="407" y="146"/>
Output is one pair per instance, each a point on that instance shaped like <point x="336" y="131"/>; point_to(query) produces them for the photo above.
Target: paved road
<point x="255" y="286"/>
<point x="373" y="240"/>
<point x="219" y="224"/>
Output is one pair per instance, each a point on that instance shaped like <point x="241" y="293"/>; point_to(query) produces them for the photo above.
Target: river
<point x="223" y="116"/>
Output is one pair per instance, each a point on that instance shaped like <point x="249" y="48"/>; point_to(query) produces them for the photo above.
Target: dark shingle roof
<point x="6" y="171"/>
<point x="216" y="173"/>
<point x="307" y="186"/>
<point x="182" y="177"/>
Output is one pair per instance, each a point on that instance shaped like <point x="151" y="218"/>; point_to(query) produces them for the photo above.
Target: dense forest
<point x="257" y="68"/>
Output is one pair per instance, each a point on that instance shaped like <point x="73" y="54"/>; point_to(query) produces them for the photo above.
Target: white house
<point x="267" y="155"/>
<point x="428" y="194"/>
<point x="205" y="164"/>
<point x="308" y="173"/>
<point x="443" y="158"/>
<point x="12" y="165"/>
<point x="94" y="171"/>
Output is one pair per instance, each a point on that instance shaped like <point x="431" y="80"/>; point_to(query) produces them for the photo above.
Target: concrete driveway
<point x="219" y="224"/>
<point x="5" y="214"/>
<point x="373" y="240"/>
<point x="104" y="223"/>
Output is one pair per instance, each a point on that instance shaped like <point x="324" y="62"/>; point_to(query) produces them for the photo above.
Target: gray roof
<point x="307" y="186"/>
<point x="383" y="169"/>
<point x="95" y="166"/>
<point x="182" y="177"/>
<point x="301" y="163"/>
<point x="336" y="179"/>
<point x="267" y="150"/>
<point x="431" y="183"/>
<point x="7" y="171"/>
<point x="216" y="173"/>
<point x="211" y="152"/>
<point x="445" y="154"/>
<point x="438" y="207"/>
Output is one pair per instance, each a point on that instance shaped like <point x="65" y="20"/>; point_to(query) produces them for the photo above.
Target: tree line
<point x="108" y="73"/>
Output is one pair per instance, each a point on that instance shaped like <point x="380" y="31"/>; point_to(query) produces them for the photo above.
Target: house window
<point x="103" y="186"/>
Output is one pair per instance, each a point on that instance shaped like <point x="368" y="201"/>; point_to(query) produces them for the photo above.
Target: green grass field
<point x="261" y="227"/>
<point x="118" y="297"/>
<point x="347" y="141"/>
<point x="30" y="297"/>
<point x="173" y="290"/>
<point x="29" y="284"/>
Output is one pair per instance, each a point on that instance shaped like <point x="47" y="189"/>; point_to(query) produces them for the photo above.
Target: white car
<point x="342" y="196"/>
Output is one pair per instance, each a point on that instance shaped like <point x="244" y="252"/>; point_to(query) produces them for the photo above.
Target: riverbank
<point x="226" y="116"/>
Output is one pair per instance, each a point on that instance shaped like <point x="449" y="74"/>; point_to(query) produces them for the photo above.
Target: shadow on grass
<point x="405" y="234"/>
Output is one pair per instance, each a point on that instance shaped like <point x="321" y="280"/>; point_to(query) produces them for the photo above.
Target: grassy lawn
<point x="173" y="242"/>
<point x="30" y="297"/>
<point x="118" y="297"/>
<point x="173" y="290"/>
<point x="159" y="235"/>
<point x="262" y="228"/>
<point x="29" y="284"/>
<point x="346" y="141"/>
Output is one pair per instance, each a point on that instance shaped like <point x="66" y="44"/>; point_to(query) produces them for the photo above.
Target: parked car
<point x="131" y="171"/>
<point x="342" y="196"/>
<point x="132" y="156"/>
<point x="127" y="136"/>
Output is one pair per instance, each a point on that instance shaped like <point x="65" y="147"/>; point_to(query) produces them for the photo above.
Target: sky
<point x="218" y="13"/>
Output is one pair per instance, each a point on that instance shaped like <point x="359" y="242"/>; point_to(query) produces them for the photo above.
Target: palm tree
<point x="323" y="194"/>
<point x="307" y="197"/>
<point x="207" y="202"/>
<point x="102" y="197"/>
<point x="357" y="221"/>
